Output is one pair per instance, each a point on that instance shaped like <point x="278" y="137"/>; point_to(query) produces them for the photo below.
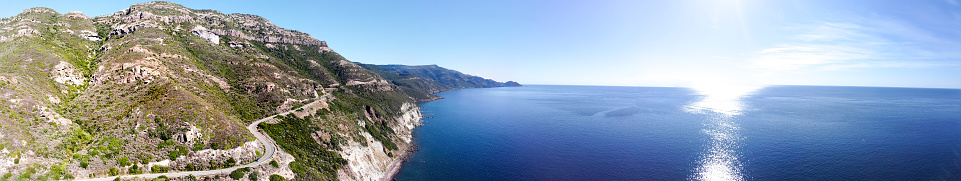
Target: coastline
<point x="396" y="165"/>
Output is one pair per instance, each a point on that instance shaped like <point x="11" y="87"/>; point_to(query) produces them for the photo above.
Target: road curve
<point x="269" y="144"/>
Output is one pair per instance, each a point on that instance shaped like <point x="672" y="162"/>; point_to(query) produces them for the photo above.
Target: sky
<point x="888" y="43"/>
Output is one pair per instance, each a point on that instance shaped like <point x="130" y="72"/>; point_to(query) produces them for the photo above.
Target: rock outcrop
<point x="372" y="162"/>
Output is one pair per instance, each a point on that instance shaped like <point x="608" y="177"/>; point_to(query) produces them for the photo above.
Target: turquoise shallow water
<point x="650" y="133"/>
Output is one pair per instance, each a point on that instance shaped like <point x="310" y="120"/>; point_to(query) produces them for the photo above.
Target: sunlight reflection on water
<point x="721" y="103"/>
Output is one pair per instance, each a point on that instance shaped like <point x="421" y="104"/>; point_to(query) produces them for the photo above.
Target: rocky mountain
<point x="422" y="81"/>
<point x="161" y="88"/>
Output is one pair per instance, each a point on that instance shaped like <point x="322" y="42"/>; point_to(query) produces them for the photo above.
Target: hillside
<point x="422" y="81"/>
<point x="159" y="87"/>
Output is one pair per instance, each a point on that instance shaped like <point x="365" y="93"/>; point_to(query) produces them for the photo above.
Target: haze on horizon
<point x="885" y="43"/>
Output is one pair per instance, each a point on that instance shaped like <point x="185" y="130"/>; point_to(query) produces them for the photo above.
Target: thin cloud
<point x="890" y="64"/>
<point x="856" y="44"/>
<point x="797" y="56"/>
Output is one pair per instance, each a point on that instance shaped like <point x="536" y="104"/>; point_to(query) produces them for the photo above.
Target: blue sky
<point x="629" y="43"/>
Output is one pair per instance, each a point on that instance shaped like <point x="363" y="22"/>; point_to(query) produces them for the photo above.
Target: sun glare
<point x="720" y="97"/>
<point x="722" y="102"/>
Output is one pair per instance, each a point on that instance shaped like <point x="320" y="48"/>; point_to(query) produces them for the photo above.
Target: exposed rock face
<point x="205" y="34"/>
<point x="64" y="73"/>
<point x="38" y="10"/>
<point x="364" y="162"/>
<point x="371" y="162"/>
<point x="407" y="121"/>
<point x="76" y="14"/>
<point x="141" y="16"/>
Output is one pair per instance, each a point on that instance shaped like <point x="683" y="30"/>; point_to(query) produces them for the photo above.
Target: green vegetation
<point x="134" y="169"/>
<point x="378" y="104"/>
<point x="159" y="169"/>
<point x="198" y="146"/>
<point x="173" y="154"/>
<point x="273" y="163"/>
<point x="58" y="172"/>
<point x="113" y="171"/>
<point x="446" y="77"/>
<point x="239" y="173"/>
<point x="28" y="173"/>
<point x="145" y="159"/>
<point x="276" y="177"/>
<point x="161" y="131"/>
<point x="80" y="138"/>
<point x="420" y="89"/>
<point x="123" y="161"/>
<point x="230" y="162"/>
<point x="161" y="178"/>
<point x="314" y="162"/>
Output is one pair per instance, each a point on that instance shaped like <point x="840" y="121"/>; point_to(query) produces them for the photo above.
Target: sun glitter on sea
<point x="721" y="104"/>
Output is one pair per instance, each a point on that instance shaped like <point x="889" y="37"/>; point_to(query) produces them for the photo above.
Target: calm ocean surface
<point x="649" y="133"/>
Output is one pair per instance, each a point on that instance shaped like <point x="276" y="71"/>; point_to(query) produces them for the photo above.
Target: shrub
<point x="113" y="171"/>
<point x="56" y="172"/>
<point x="293" y="135"/>
<point x="145" y="159"/>
<point x="161" y="178"/>
<point x="28" y="173"/>
<point x="198" y="146"/>
<point x="134" y="170"/>
<point x="231" y="162"/>
<point x="239" y="173"/>
<point x="252" y="176"/>
<point x="173" y="154"/>
<point x="274" y="164"/>
<point x="159" y="169"/>
<point x="276" y="177"/>
<point x="123" y="161"/>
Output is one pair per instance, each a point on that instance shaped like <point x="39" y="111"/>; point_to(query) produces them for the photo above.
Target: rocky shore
<point x="398" y="163"/>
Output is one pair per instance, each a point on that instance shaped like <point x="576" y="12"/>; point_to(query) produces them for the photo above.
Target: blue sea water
<point x="654" y="133"/>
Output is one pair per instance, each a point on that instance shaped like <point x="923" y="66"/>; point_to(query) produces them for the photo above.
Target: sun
<point x="721" y="96"/>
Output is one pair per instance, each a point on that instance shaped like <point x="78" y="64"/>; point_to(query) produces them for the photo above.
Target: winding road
<point x="269" y="144"/>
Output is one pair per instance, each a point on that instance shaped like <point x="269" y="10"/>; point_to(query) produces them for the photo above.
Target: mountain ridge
<point x="422" y="81"/>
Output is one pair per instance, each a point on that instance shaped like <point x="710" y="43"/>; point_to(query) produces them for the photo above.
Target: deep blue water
<point x="650" y="133"/>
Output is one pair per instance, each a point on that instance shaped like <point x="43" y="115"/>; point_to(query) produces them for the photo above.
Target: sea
<point x="546" y="132"/>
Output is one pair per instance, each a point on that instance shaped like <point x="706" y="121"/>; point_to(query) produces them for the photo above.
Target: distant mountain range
<point x="422" y="81"/>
